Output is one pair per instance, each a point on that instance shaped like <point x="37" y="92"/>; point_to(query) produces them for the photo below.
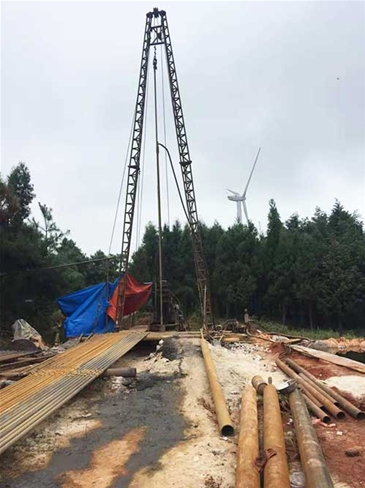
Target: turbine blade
<point x="234" y="192"/>
<point x="253" y="169"/>
<point x="245" y="210"/>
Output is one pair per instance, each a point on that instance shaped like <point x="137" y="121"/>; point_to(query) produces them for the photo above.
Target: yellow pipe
<point x="221" y="410"/>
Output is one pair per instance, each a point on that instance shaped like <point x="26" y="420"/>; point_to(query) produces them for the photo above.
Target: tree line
<point x="307" y="272"/>
<point x="304" y="272"/>
<point x="28" y="288"/>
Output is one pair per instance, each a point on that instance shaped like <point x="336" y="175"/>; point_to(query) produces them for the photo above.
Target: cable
<point x="120" y="188"/>
<point x="177" y="184"/>
<point x="164" y="134"/>
<point x="76" y="263"/>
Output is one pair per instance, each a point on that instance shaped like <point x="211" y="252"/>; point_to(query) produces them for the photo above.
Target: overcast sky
<point x="288" y="77"/>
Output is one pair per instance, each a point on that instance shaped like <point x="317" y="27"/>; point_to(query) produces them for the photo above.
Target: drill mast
<point x="156" y="33"/>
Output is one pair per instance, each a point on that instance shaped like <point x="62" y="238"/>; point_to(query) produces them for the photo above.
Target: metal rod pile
<point x="317" y="395"/>
<point x="29" y="401"/>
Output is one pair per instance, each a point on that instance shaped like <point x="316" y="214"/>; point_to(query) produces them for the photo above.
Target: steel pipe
<point x="313" y="463"/>
<point x="313" y="399"/>
<point x="318" y="412"/>
<point x="126" y="372"/>
<point x="318" y="388"/>
<point x="329" y="406"/>
<point x="276" y="473"/>
<point x="247" y="475"/>
<point x="259" y="384"/>
<point x="223" y="417"/>
<point x="345" y="404"/>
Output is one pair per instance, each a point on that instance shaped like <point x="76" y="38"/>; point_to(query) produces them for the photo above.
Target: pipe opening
<point x="326" y="419"/>
<point x="340" y="415"/>
<point x="227" y="431"/>
<point x="360" y="415"/>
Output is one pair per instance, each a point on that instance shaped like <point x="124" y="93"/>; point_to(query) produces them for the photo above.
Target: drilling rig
<point x="157" y="33"/>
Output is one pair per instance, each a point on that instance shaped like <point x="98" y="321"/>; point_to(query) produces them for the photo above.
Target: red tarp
<point x="136" y="294"/>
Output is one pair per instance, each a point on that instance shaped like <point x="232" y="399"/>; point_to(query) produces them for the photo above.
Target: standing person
<point x="246" y="318"/>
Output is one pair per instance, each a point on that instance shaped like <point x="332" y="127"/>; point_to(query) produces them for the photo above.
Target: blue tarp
<point x="86" y="309"/>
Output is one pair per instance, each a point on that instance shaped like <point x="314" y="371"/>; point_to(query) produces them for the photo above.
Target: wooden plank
<point x="331" y="358"/>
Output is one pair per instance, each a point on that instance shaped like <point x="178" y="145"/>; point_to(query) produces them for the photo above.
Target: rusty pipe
<point x="345" y="404"/>
<point x="276" y="471"/>
<point x="259" y="384"/>
<point x="313" y="399"/>
<point x="224" y="420"/>
<point x="318" y="388"/>
<point x="318" y="412"/>
<point x="314" y="465"/>
<point x="329" y="406"/>
<point x="247" y="476"/>
<point x="126" y="372"/>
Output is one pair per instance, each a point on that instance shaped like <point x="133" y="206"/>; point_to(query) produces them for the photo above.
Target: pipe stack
<point x="276" y="472"/>
<point x="28" y="402"/>
<point x="319" y="397"/>
<point x="325" y="401"/>
<point x="339" y="399"/>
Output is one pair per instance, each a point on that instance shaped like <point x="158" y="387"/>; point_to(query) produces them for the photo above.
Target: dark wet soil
<point x="153" y="404"/>
<point x="356" y="356"/>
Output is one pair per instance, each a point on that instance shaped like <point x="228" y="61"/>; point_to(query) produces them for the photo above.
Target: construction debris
<point x="23" y="330"/>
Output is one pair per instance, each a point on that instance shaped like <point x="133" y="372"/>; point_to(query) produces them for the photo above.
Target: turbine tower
<point x="238" y="198"/>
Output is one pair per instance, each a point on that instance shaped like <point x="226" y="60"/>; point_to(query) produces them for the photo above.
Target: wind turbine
<point x="238" y="198"/>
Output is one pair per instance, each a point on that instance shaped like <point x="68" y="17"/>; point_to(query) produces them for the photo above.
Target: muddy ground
<point x="161" y="431"/>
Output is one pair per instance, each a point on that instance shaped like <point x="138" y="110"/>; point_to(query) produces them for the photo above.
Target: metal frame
<point x="160" y="34"/>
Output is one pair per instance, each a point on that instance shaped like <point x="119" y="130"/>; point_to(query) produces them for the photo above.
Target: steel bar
<point x="311" y="455"/>
<point x="9" y="356"/>
<point x="329" y="406"/>
<point x="276" y="471"/>
<point x="247" y="476"/>
<point x="24" y="362"/>
<point x="223" y="417"/>
<point x="51" y="384"/>
<point x="345" y="404"/>
<point x="317" y="411"/>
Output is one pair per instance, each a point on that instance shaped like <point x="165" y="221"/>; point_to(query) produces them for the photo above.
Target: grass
<point x="271" y="326"/>
<point x="316" y="334"/>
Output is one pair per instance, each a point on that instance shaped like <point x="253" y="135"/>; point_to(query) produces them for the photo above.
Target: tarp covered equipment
<point x="93" y="309"/>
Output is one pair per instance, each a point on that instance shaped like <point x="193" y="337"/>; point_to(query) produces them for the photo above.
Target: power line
<point x="59" y="266"/>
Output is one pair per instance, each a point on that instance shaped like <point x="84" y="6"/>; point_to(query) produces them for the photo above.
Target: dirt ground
<point x="161" y="430"/>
